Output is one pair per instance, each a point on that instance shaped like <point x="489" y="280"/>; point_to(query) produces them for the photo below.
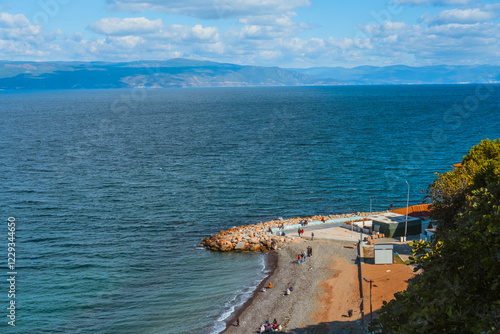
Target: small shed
<point x="384" y="254"/>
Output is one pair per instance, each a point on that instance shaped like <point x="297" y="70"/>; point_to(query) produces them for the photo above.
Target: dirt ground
<point x="387" y="280"/>
<point x="338" y="294"/>
<point x="326" y="288"/>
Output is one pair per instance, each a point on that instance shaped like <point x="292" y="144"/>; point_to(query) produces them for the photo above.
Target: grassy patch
<point x="397" y="259"/>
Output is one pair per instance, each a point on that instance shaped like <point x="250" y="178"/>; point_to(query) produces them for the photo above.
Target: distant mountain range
<point x="407" y="75"/>
<point x="193" y="73"/>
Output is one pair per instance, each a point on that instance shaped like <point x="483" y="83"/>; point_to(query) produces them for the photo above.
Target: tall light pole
<point x="407" y="204"/>
<point x="352" y="222"/>
<point x="371" y="310"/>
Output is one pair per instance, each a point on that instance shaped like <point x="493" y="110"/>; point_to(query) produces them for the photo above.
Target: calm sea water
<point x="113" y="189"/>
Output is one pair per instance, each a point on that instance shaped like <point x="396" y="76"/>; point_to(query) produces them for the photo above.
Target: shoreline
<point x="271" y="264"/>
<point x="331" y="268"/>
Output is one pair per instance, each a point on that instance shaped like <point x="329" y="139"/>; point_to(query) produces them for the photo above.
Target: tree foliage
<point x="459" y="289"/>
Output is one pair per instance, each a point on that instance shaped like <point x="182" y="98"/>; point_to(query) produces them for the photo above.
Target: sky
<point x="284" y="33"/>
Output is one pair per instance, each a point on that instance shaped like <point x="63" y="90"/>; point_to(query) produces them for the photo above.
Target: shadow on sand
<point x="330" y="327"/>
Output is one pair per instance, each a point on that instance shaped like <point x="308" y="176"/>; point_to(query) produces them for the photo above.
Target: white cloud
<point x="126" y="26"/>
<point x="434" y="2"/>
<point x="452" y="43"/>
<point x="17" y="27"/>
<point x="20" y="38"/>
<point x="458" y="16"/>
<point x="13" y="21"/>
<point x="154" y="30"/>
<point x="212" y="9"/>
<point x="263" y="32"/>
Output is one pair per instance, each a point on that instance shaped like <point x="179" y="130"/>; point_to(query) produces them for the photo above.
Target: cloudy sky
<point x="286" y="33"/>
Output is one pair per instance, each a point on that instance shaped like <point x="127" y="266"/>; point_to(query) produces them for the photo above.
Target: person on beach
<point x="302" y="231"/>
<point x="304" y="257"/>
<point x="298" y="259"/>
<point x="287" y="293"/>
<point x="312" y="235"/>
<point x="299" y="231"/>
<point x="237" y="321"/>
<point x="322" y="219"/>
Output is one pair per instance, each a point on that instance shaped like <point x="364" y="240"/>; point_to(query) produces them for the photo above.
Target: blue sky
<point x="285" y="33"/>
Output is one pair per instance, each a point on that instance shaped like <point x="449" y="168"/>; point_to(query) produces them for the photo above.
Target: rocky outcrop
<point x="257" y="237"/>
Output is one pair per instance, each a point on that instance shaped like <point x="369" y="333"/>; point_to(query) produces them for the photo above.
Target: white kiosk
<point x="384" y="254"/>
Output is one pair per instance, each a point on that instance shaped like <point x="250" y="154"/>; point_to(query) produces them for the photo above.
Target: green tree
<point x="459" y="289"/>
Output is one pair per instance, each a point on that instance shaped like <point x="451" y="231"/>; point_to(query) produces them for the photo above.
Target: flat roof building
<point x="393" y="224"/>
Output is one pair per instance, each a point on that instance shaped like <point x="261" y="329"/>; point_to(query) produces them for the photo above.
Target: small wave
<point x="240" y="298"/>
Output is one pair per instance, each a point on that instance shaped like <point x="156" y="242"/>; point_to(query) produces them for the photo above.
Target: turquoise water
<point x="113" y="189"/>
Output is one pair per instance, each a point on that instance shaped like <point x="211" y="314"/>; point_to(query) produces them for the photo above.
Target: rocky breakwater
<point x="255" y="237"/>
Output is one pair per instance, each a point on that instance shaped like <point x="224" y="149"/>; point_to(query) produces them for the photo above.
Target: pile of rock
<point x="255" y="237"/>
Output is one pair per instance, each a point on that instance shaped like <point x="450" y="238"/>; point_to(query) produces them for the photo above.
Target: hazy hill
<point x="153" y="74"/>
<point x="193" y="73"/>
<point x="400" y="74"/>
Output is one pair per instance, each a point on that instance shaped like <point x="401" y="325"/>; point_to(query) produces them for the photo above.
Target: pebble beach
<point x="325" y="288"/>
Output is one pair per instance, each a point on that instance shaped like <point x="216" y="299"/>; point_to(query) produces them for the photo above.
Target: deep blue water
<point x="113" y="189"/>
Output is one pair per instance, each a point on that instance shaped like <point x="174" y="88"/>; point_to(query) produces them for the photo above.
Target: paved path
<point x="332" y="231"/>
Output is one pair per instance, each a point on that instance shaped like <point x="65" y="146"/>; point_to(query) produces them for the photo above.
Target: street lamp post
<point x="352" y="226"/>
<point x="352" y="222"/>
<point x="371" y="310"/>
<point x="407" y="204"/>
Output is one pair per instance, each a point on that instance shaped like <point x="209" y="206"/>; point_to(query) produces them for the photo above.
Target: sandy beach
<point x="326" y="287"/>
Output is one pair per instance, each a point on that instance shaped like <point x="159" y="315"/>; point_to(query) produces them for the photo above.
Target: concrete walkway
<point x="331" y="231"/>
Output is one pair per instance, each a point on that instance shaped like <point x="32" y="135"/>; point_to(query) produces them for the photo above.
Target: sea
<point x="111" y="191"/>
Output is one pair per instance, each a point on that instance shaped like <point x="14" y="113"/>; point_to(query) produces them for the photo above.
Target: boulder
<point x="240" y="245"/>
<point x="255" y="247"/>
<point x="226" y="246"/>
<point x="254" y="241"/>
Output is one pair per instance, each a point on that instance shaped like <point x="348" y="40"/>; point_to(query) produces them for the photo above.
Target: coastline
<point x="266" y="236"/>
<point x="331" y="268"/>
<point x="271" y="264"/>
